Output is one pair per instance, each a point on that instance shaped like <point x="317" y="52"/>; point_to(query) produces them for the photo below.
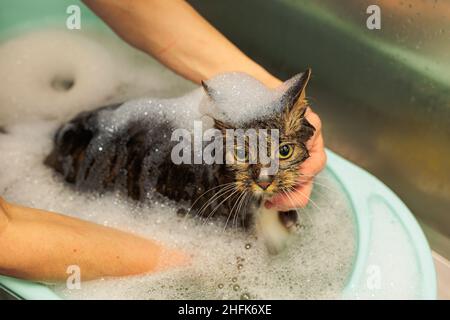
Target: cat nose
<point x="264" y="184"/>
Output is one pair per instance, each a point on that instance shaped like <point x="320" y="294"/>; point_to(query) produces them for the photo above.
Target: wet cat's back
<point x="133" y="158"/>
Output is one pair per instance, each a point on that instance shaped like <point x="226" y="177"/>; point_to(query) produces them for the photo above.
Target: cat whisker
<point x="297" y="210"/>
<point x="230" y="213"/>
<point x="324" y="194"/>
<point x="215" y="198"/>
<point x="243" y="216"/>
<point x="210" y="201"/>
<point x="317" y="177"/>
<point x="322" y="185"/>
<point x="236" y="213"/>
<point x="292" y="203"/>
<point x="241" y="202"/>
<point x="334" y="190"/>
<point x="296" y="191"/>
<point x="204" y="193"/>
<point x="234" y="191"/>
<point x="235" y="205"/>
<point x="222" y="192"/>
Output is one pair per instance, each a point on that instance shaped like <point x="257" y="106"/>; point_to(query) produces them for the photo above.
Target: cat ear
<point x="295" y="91"/>
<point x="294" y="102"/>
<point x="210" y="92"/>
<point x="221" y="125"/>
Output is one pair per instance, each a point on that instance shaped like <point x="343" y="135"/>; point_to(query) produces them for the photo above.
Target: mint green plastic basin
<point x="393" y="259"/>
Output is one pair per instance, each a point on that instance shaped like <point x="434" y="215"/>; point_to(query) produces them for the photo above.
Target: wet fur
<point x="129" y="164"/>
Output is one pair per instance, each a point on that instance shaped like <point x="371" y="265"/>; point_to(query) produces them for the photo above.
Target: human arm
<point x="41" y="245"/>
<point x="180" y="38"/>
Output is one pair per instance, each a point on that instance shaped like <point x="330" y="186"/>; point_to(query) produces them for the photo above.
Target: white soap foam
<point x="181" y="112"/>
<point x="56" y="74"/>
<point x="238" y="98"/>
<point x="315" y="265"/>
<point x="235" y="98"/>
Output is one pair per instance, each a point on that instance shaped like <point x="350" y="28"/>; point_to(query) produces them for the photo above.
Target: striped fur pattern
<point x="136" y="161"/>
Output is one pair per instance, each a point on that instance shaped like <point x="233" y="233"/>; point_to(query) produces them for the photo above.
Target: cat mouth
<point x="263" y="189"/>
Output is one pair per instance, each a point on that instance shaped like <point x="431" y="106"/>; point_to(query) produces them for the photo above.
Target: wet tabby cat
<point x="127" y="147"/>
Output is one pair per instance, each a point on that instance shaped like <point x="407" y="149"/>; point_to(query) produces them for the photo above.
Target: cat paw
<point x="289" y="219"/>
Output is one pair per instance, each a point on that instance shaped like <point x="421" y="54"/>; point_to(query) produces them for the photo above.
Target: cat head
<point x="259" y="110"/>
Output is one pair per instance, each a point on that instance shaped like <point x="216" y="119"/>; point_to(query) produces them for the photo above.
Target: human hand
<point x="308" y="169"/>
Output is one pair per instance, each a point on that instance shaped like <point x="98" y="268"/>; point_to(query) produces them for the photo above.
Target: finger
<point x="316" y="162"/>
<point x="315" y="144"/>
<point x="314" y="119"/>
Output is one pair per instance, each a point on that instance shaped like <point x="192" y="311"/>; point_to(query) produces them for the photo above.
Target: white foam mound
<point x="227" y="264"/>
<point x="238" y="98"/>
<point x="180" y="112"/>
<point x="55" y="74"/>
<point x="235" y="98"/>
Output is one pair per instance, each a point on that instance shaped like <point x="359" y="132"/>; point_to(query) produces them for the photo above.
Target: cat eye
<point x="241" y="154"/>
<point x="285" y="151"/>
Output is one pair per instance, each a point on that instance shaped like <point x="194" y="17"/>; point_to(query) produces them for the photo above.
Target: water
<point x="316" y="264"/>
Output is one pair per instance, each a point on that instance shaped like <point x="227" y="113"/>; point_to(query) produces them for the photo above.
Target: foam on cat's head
<point x="236" y="98"/>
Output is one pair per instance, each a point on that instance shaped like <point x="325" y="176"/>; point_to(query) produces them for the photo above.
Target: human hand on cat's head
<point x="309" y="169"/>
